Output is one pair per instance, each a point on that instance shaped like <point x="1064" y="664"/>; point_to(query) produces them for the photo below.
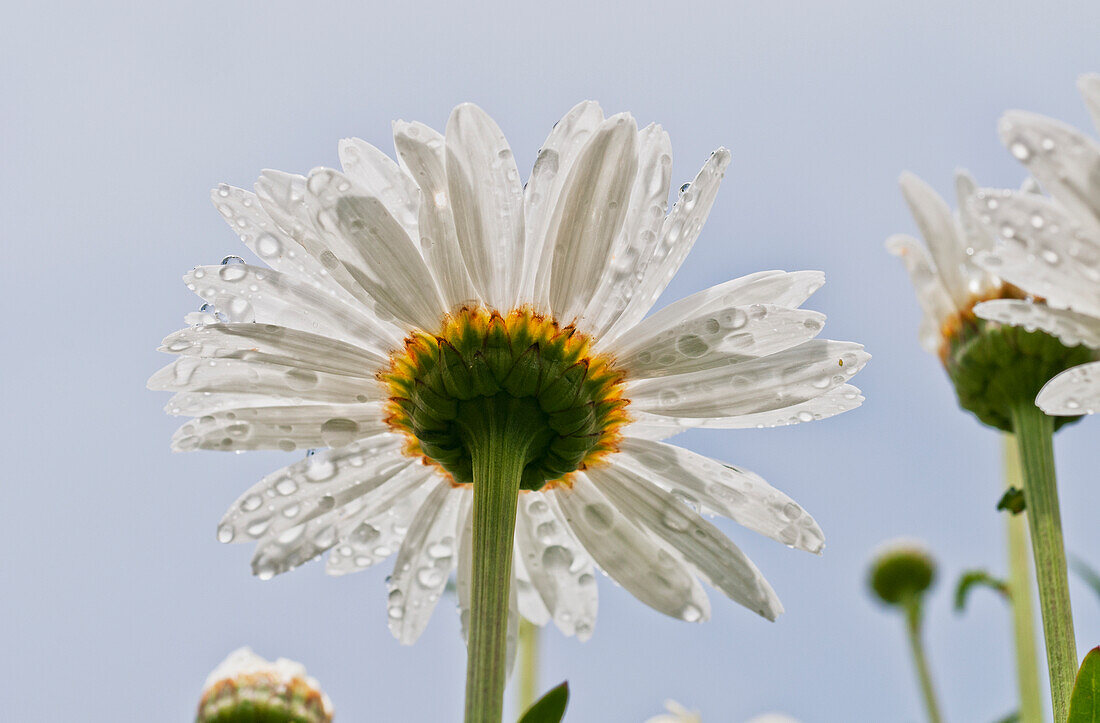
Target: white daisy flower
<point x="403" y="302"/>
<point x="1050" y="246"/>
<point x="245" y="686"/>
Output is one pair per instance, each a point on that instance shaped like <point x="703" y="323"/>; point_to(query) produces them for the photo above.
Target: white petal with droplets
<point x="714" y="339"/>
<point x="381" y="178"/>
<point x="557" y="564"/>
<point x="1042" y="249"/>
<point x="678" y="233"/>
<point x="271" y="297"/>
<point x="487" y="202"/>
<point x="1066" y="162"/>
<point x="422" y="153"/>
<point x="738" y="494"/>
<point x="286" y="428"/>
<point x="1074" y="391"/>
<point x="424" y="563"/>
<point x="629" y="555"/>
<point x="701" y="544"/>
<point x="528" y="601"/>
<point x="776" y="381"/>
<point x="590" y="212"/>
<point x="934" y="300"/>
<point x="1070" y="327"/>
<point x="540" y="196"/>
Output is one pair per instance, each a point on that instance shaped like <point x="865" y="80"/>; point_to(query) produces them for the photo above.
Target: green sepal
<point x="458" y="381"/>
<point x="1084" y="703"/>
<point x="438" y="405"/>
<point x="994" y="367"/>
<point x="523" y="379"/>
<point x="550" y="708"/>
<point x="563" y="391"/>
<point x="574" y="419"/>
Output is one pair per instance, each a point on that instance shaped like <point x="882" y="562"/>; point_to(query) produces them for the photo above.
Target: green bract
<point x="994" y="367"/>
<point x="541" y="378"/>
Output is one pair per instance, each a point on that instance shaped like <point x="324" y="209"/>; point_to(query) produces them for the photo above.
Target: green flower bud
<point x="245" y="688"/>
<point x="900" y="571"/>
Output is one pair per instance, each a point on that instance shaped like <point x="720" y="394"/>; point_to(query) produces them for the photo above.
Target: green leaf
<point x="1084" y="704"/>
<point x="977" y="578"/>
<point x="1012" y="501"/>
<point x="1090" y="576"/>
<point x="550" y="708"/>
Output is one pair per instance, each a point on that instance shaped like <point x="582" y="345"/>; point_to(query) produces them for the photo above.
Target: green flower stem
<point x="1035" y="441"/>
<point x="1020" y="594"/>
<point x="498" y="434"/>
<point x="528" y="666"/>
<point x="913" y="615"/>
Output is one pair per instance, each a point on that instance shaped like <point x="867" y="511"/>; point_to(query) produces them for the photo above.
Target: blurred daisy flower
<point x="991" y="367"/>
<point x="245" y="687"/>
<point x="409" y="308"/>
<point x="1049" y="246"/>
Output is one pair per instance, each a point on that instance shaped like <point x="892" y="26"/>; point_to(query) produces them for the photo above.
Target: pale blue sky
<point x="118" y="118"/>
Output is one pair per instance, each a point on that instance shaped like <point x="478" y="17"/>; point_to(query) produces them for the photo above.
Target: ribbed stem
<point x="920" y="660"/>
<point x="498" y="440"/>
<point x="1035" y="441"/>
<point x="528" y="666"/>
<point x="1020" y="594"/>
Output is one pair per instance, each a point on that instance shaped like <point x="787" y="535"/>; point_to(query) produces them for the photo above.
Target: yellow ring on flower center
<point x="568" y="398"/>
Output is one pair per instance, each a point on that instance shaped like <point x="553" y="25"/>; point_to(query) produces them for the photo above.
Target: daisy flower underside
<point x="402" y="299"/>
<point x="1049" y="246"/>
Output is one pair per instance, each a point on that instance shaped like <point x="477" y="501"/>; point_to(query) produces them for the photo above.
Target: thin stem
<point x="1035" y="441"/>
<point x="528" y="684"/>
<point x="920" y="661"/>
<point x="498" y="451"/>
<point x="1020" y="594"/>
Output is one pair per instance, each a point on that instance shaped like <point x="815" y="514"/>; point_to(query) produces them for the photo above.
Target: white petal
<point x="976" y="235"/>
<point x="283" y="196"/>
<point x="309" y="488"/>
<point x="1043" y="250"/>
<point x="735" y="493"/>
<point x="778" y="288"/>
<point x="942" y="235"/>
<point x="629" y="555"/>
<point x="557" y="564"/>
<point x="487" y="202"/>
<point x="286" y="428"/>
<point x="701" y="544"/>
<point x="540" y="197"/>
<point x="281" y="550"/>
<point x="702" y="341"/>
<point x="381" y="178"/>
<point x="376" y="531"/>
<point x="262" y="235"/>
<point x="422" y="152"/>
<point x="1070" y="327"/>
<point x="934" y="300"/>
<point x="776" y="381"/>
<point x="1074" y="391"/>
<point x="1066" y="162"/>
<point x="528" y="601"/>
<point x="839" y="399"/>
<point x="275" y="298"/>
<point x="374" y="248"/>
<point x="280" y="381"/>
<point x="269" y="341"/>
<point x="1089" y="85"/>
<point x="678" y="233"/>
<point x="589" y="215"/>
<point x="640" y="235"/>
<point x="424" y="563"/>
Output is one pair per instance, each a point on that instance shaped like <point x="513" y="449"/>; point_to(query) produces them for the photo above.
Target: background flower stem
<point x="1035" y="441"/>
<point x="498" y="454"/>
<point x="1020" y="594"/>
<point x="913" y="619"/>
<point x="528" y="684"/>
